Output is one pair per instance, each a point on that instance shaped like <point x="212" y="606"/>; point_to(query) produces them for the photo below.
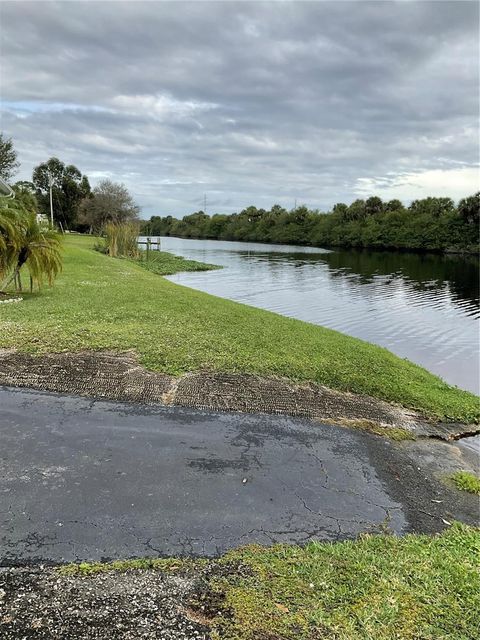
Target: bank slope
<point x="104" y="303"/>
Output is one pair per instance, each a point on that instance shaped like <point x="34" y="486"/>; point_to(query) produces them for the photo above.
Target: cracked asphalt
<point x="85" y="479"/>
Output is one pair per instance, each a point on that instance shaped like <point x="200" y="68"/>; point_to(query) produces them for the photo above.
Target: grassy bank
<point x="105" y="303"/>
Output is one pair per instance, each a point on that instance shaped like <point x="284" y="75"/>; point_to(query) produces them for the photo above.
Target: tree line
<point x="429" y="224"/>
<point x="76" y="206"/>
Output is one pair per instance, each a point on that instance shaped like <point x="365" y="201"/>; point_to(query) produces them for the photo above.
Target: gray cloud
<point x="249" y="102"/>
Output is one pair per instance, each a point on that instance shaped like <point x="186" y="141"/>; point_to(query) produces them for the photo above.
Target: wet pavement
<point x="84" y="479"/>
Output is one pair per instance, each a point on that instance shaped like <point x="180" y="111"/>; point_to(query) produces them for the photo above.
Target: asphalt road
<point x="89" y="480"/>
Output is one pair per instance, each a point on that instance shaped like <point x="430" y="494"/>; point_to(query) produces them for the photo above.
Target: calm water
<point x="421" y="307"/>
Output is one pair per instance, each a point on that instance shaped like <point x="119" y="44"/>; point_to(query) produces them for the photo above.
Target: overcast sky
<point x="248" y="103"/>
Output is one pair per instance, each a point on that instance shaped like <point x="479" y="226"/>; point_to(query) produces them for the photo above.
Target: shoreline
<point x="337" y="247"/>
<point x="105" y="375"/>
<point x="112" y="306"/>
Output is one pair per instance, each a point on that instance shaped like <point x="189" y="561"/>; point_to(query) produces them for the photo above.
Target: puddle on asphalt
<point x="471" y="442"/>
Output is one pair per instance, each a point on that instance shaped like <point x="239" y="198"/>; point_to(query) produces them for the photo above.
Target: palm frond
<point x="24" y="241"/>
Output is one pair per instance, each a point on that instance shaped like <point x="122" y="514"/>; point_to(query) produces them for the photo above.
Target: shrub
<point x="121" y="239"/>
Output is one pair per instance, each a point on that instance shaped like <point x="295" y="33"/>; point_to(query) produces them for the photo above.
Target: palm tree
<point x="26" y="242"/>
<point x="11" y="233"/>
<point x="40" y="251"/>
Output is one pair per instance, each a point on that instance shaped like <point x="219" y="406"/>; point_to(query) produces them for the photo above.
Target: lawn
<point x="105" y="303"/>
<point x="379" y="587"/>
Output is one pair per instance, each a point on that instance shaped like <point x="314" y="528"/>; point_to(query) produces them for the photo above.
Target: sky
<point x="247" y="103"/>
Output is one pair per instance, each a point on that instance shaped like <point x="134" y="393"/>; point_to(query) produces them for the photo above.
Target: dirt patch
<point x="119" y="376"/>
<point x="42" y="603"/>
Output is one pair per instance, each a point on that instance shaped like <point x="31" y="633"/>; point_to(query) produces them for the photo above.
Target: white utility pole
<point x="51" y="201"/>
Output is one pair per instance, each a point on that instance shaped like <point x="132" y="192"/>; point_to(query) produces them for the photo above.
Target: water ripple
<point x="424" y="308"/>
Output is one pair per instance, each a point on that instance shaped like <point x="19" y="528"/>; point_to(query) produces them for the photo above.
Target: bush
<point x="121" y="239"/>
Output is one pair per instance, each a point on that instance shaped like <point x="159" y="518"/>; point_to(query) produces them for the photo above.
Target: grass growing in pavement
<point x="466" y="481"/>
<point x="104" y="303"/>
<point x="165" y="264"/>
<point x="162" y="564"/>
<point x="379" y="587"/>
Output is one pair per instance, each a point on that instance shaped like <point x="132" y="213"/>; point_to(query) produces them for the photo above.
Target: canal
<point x="423" y="307"/>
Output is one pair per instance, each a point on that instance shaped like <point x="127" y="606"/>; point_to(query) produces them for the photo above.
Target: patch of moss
<point x="466" y="481"/>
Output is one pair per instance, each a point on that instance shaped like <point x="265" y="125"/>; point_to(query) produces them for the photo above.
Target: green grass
<point x="376" y="588"/>
<point x="104" y="303"/>
<point x="466" y="481"/>
<point x="165" y="264"/>
<point x="158" y="564"/>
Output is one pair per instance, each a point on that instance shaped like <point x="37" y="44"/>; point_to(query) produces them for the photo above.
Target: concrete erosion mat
<point x="119" y="376"/>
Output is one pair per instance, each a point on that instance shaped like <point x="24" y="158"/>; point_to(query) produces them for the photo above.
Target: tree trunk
<point x="22" y="258"/>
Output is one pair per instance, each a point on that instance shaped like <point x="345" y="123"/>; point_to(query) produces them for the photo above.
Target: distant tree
<point x="25" y="185"/>
<point x="25" y="195"/>
<point x="8" y="158"/>
<point x="299" y="214"/>
<point x="277" y="210"/>
<point x="69" y="188"/>
<point x="340" y="209"/>
<point x="252" y="214"/>
<point x="357" y="210"/>
<point x="373" y="206"/>
<point x="108" y="202"/>
<point x="216" y="225"/>
<point x="394" y="205"/>
<point x="196" y="224"/>
<point x="469" y="209"/>
<point x="434" y="207"/>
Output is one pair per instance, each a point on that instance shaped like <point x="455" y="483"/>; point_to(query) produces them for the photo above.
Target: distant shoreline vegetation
<point x="430" y="224"/>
